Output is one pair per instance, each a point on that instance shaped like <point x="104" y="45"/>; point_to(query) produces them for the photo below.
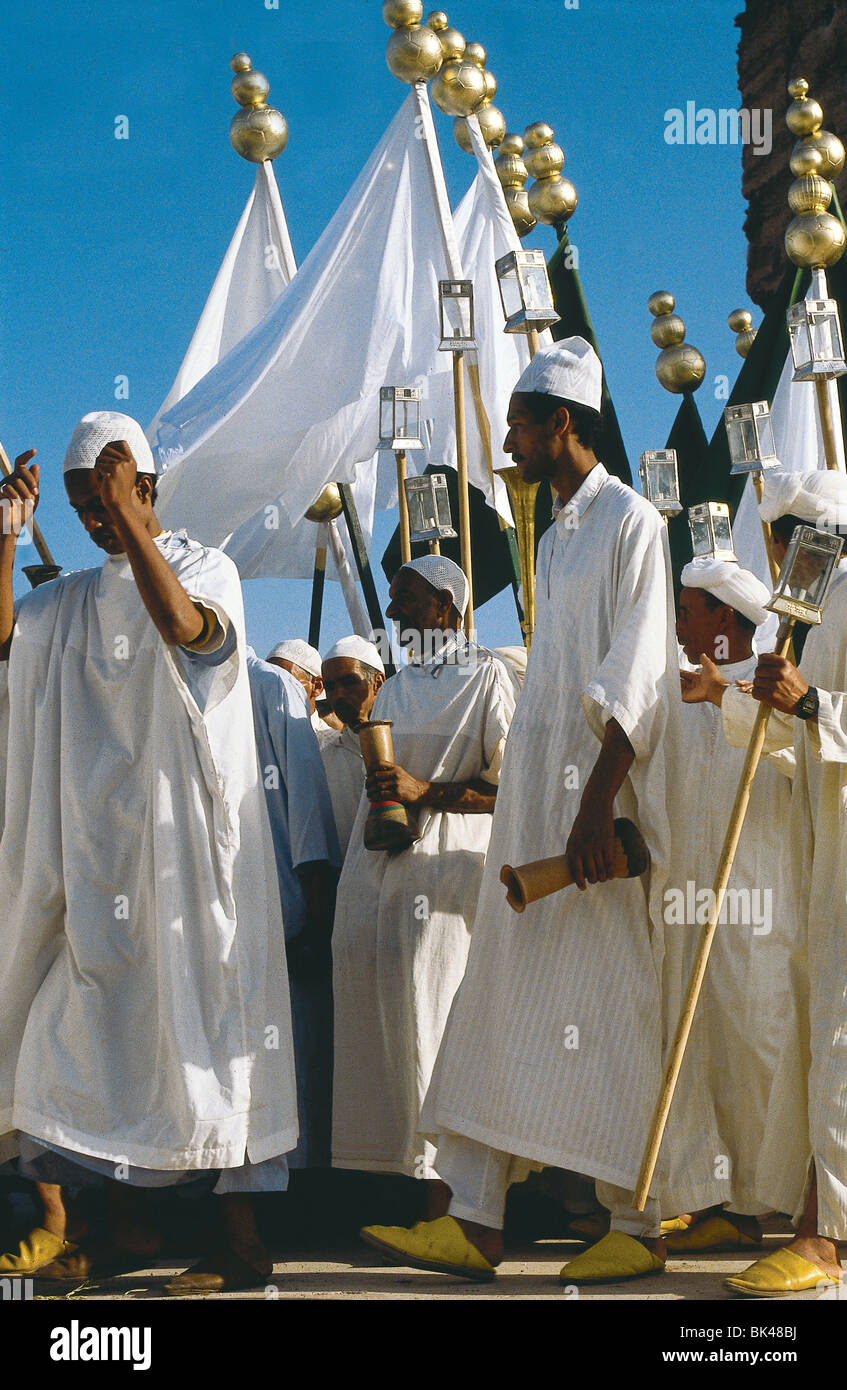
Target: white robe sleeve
<point x="738" y="712"/>
<point x="828" y="735"/>
<point x="498" y="716"/>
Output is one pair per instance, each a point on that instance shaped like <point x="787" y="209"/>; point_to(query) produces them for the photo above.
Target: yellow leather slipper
<point x="34" y="1251"/>
<point x="715" y="1233"/>
<point x="675" y="1223"/>
<point x="781" y="1273"/>
<point x="438" y="1245"/>
<point x="616" y="1256"/>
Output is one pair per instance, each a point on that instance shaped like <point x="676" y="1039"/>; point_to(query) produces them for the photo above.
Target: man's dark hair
<point x="785" y="526"/>
<point x="745" y="624"/>
<point x="587" y="423"/>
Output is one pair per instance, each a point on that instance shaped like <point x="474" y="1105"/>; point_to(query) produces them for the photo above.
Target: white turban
<point x="818" y="496"/>
<point x="103" y="427"/>
<point x="442" y="573"/>
<point x="729" y="583"/>
<point x="570" y="369"/>
<point x="299" y="653"/>
<point x="356" y="649"/>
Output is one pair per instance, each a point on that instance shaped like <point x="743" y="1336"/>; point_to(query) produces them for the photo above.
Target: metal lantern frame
<point x="749" y="434"/>
<point x="711" y="531"/>
<point x="811" y="556"/>
<point x="454" y="294"/>
<point x="428" y="500"/>
<point x="525" y="291"/>
<point x="396" y="403"/>
<point x="657" y="469"/>
<point x="817" y="343"/>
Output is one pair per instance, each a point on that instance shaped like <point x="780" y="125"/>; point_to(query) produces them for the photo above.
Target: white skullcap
<point x="356" y="649"/>
<point x="570" y="369"/>
<point x="442" y="573"/>
<point x="818" y="496"/>
<point x="729" y="583"/>
<point x="299" y="653"/>
<point x="103" y="427"/>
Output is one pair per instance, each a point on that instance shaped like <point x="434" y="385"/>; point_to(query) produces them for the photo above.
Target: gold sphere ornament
<point x="831" y="152"/>
<point x="544" y="161"/>
<point x="414" y="54"/>
<point x="667" y="331"/>
<point x="810" y="194"/>
<point x="510" y="168"/>
<point x="815" y="239"/>
<point x="512" y="144"/>
<point x="492" y="125"/>
<point x="250" y="88"/>
<point x="538" y="134"/>
<point x="490" y="86"/>
<point x="437" y="20"/>
<point x="661" y="302"/>
<point x="240" y="62"/>
<point x="327" y="505"/>
<point x="475" y="53"/>
<point x="401" y="14"/>
<point x="452" y="44"/>
<point x="680" y="368"/>
<point x="805" y="159"/>
<point x="258" y="133"/>
<point x="552" y="201"/>
<point x="797" y="88"/>
<point x="804" y="116"/>
<point x="740" y="320"/>
<point x="458" y="88"/>
<point x="517" y="201"/>
<point x="744" y="341"/>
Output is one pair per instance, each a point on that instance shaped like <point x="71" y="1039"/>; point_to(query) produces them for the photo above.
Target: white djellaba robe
<point x="717" y="1120"/>
<point x="807" y="1115"/>
<point x="144" y="1010"/>
<point x="345" y="774"/>
<point x="403" y="921"/>
<point x="552" y="1051"/>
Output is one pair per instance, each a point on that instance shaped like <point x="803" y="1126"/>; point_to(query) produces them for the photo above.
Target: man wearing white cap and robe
<point x="714" y="1133"/>
<point x="552" y="1053"/>
<point x="303" y="662"/>
<point x="402" y="925"/>
<point x="353" y="673"/>
<point x="803" y="1163"/>
<point x="141" y="927"/>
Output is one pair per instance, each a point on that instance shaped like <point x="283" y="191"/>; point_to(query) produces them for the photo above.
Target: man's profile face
<point x="535" y="446"/>
<point x="313" y="685"/>
<point x="349" y="690"/>
<point x="698" y="626"/>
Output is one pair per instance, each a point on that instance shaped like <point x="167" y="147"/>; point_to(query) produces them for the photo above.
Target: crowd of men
<point x="208" y="976"/>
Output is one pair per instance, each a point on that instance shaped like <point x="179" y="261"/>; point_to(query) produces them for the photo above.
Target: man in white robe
<point x="803" y="1161"/>
<point x="303" y="662"/>
<point x="402" y="925"/>
<point x="308" y="862"/>
<point x="144" y="1015"/>
<point x="552" y="1053"/>
<point x="714" y="1134"/>
<point x="353" y="674"/>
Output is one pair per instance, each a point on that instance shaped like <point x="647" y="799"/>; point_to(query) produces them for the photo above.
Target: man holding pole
<point x="552" y="1053"/>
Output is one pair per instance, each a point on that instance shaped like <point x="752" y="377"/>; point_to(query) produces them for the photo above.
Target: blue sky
<point x="110" y="246"/>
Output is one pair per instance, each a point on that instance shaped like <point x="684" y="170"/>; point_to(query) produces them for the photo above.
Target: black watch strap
<point x="808" y="704"/>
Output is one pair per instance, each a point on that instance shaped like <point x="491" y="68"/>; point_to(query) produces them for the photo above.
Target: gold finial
<point x="327" y="505"/>
<point x="490" y="86"/>
<point x="513" y="144"/>
<point x="475" y="53"/>
<point x="437" y="21"/>
<point x="257" y="132"/>
<point x="413" y="53"/>
<point x="679" y="366"/>
<point x="458" y="88"/>
<point x="552" y="199"/>
<point x="512" y="173"/>
<point x="813" y="237"/>
<point x="741" y="323"/>
<point x="402" y="14"/>
<point x="492" y="126"/>
<point x="452" y="43"/>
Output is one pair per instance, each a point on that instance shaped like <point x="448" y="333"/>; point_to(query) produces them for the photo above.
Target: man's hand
<point x="388" y="782"/>
<point x="19" y="495"/>
<point x="705" y="684"/>
<point x="117" y="470"/>
<point x="590" y="850"/>
<point x="777" y="683"/>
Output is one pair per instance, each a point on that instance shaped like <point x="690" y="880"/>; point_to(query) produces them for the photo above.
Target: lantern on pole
<point x="525" y="291"/>
<point x="751" y="450"/>
<point x="806" y="571"/>
<point x="817" y="347"/>
<point x="711" y="532"/>
<point x="456" y="320"/>
<point x="657" y="470"/>
<point x="400" y="429"/>
<point x="428" y="506"/>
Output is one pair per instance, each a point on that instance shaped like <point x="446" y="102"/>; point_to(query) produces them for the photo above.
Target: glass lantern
<point x="400" y="417"/>
<point x="817" y="348"/>
<point x="711" y="532"/>
<point x="429" y="508"/>
<point x="525" y="291"/>
<point x="456" y="316"/>
<point x="659" y="482"/>
<point x="803" y="580"/>
<point x="750" y="435"/>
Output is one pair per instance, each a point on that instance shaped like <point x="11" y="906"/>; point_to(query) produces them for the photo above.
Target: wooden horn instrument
<point x="529" y="882"/>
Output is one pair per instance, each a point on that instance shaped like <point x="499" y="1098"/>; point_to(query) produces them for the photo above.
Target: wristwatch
<point x="807" y="706"/>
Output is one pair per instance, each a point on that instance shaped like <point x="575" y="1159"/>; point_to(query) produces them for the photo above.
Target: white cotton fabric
<point x="717" y="1120"/>
<point x="569" y="368"/>
<point x="402" y="924"/>
<point x="807" y="1115"/>
<point x="442" y="573"/>
<point x="356" y="649"/>
<point x="553" y="1047"/>
<point x="345" y="774"/>
<point x="141" y="928"/>
<point x="730" y="583"/>
<point x="298" y="651"/>
<point x="819" y="498"/>
<point x="102" y="427"/>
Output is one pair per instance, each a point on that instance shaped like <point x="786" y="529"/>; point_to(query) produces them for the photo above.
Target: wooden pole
<point x="462" y="470"/>
<point x="405" y="541"/>
<point x="827" y="423"/>
<point x="435" y="547"/>
<point x="318" y="585"/>
<point x="698" y="970"/>
<point x="766" y="528"/>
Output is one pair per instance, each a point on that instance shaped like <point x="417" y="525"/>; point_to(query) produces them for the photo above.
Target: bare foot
<point x="818" y="1251"/>
<point x="436" y="1199"/>
<point x="488" y="1241"/>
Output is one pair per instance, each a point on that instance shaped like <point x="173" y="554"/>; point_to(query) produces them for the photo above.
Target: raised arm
<point x="18" y="500"/>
